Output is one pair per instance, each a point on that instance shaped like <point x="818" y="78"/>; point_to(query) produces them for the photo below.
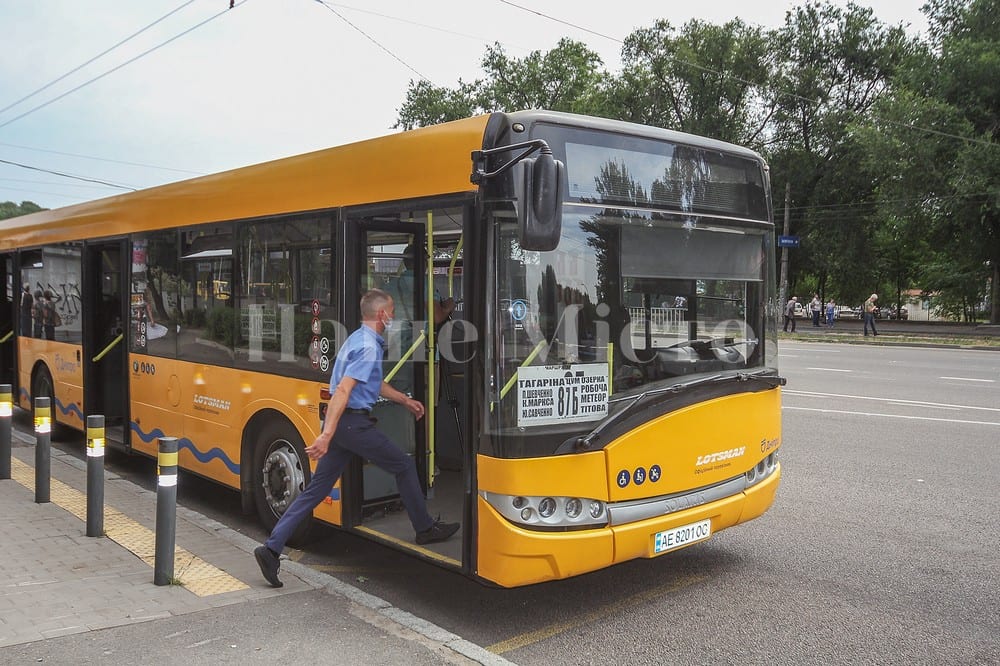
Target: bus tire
<point x="42" y="386"/>
<point x="280" y="472"/>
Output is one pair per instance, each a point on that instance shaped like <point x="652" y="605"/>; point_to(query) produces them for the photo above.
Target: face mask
<point x="387" y="323"/>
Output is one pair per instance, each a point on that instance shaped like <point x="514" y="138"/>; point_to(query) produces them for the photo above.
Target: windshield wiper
<point x="585" y="442"/>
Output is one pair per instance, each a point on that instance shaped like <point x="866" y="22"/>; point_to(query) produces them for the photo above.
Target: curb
<point x="433" y="634"/>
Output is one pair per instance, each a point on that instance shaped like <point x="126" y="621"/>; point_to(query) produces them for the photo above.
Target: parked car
<point x="844" y="312"/>
<point x="799" y="310"/>
<point x="902" y="315"/>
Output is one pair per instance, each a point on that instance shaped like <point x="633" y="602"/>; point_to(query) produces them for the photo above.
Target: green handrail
<point x="405" y="357"/>
<point x="121" y="336"/>
<point x="7" y="337"/>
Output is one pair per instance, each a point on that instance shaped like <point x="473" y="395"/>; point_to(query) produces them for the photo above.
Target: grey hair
<point x="373" y="301"/>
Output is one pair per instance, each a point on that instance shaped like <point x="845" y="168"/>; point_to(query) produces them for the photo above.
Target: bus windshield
<point x="634" y="299"/>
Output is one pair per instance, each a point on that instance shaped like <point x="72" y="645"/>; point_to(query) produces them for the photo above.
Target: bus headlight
<point x="547" y="512"/>
<point x="762" y="469"/>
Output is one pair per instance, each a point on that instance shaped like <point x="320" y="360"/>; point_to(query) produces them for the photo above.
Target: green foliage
<point x="221" y="325"/>
<point x="10" y="209"/>
<point x="704" y="79"/>
<point x="567" y="78"/>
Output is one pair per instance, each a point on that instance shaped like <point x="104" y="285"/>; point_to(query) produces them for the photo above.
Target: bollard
<point x="95" y="475"/>
<point x="166" y="511"/>
<point x="6" y="410"/>
<point x="43" y="449"/>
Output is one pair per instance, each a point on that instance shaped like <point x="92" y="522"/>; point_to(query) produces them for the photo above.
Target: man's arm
<point x="389" y="393"/>
<point x="334" y="410"/>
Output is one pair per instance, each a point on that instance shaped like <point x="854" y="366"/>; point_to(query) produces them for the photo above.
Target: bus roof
<point x="424" y="162"/>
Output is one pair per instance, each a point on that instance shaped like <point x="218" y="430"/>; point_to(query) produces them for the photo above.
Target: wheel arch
<point x="259" y="417"/>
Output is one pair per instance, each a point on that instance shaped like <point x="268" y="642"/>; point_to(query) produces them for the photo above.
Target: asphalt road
<point x="882" y="546"/>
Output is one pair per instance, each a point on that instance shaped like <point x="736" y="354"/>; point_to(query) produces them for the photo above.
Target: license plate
<point x="684" y="535"/>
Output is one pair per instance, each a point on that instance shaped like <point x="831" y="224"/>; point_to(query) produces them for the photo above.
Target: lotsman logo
<point x="721" y="455"/>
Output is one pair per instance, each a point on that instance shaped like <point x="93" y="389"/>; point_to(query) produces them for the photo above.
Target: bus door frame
<point x="98" y="336"/>
<point x="358" y="224"/>
<point x="10" y="314"/>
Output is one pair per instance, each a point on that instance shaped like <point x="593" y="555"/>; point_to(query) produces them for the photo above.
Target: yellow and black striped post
<point x="95" y="475"/>
<point x="166" y="511"/>
<point x="6" y="411"/>
<point x="43" y="449"/>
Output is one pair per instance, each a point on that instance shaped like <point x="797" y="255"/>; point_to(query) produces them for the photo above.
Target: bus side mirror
<point x="540" y="214"/>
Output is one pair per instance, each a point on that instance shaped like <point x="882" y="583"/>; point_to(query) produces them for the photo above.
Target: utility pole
<point x="783" y="294"/>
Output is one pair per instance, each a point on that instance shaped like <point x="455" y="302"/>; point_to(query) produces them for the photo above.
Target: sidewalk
<point x="69" y="598"/>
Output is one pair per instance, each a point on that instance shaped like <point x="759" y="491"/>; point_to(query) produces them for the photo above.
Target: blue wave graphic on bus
<point x="72" y="409"/>
<point x="68" y="410"/>
<point x="185" y="443"/>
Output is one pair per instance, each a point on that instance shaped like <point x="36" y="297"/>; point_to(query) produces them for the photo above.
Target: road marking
<point x="830" y="369"/>
<point x="891" y="416"/>
<point x="196" y="575"/>
<point x="969" y="379"/>
<point x="523" y="640"/>
<point x="815" y="394"/>
<point x="896" y="403"/>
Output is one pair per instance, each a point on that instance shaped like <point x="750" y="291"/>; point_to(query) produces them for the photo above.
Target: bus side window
<point x="208" y="320"/>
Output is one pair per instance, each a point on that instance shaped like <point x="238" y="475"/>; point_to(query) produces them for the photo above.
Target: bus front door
<point x="390" y="253"/>
<point x="105" y="375"/>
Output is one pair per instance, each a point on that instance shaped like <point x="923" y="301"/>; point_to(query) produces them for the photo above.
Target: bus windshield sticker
<point x="558" y="393"/>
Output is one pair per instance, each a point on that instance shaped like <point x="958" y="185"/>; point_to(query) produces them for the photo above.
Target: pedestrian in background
<point x="38" y="314"/>
<point x="27" y="306"/>
<point x="831" y="309"/>
<point x="50" y="318"/>
<point x="870" y="307"/>
<point x="815" y="305"/>
<point x="790" y="312"/>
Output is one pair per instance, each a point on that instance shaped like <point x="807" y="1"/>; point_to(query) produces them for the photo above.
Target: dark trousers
<point x="870" y="321"/>
<point x="355" y="435"/>
<point x="815" y="314"/>
<point x="787" y="320"/>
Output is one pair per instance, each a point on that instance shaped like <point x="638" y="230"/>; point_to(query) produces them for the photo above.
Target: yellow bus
<point x="606" y="388"/>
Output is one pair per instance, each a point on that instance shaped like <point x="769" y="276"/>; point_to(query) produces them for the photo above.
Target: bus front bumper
<point x="510" y="555"/>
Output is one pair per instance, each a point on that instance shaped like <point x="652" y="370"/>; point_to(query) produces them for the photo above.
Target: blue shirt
<point x="360" y="359"/>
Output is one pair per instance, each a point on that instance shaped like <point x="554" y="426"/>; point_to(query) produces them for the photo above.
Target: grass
<point x="855" y="337"/>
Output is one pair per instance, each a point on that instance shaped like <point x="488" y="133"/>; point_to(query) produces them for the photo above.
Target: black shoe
<point x="269" y="564"/>
<point x="437" y="532"/>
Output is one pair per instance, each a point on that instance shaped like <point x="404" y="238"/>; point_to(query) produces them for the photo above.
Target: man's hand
<point x="318" y="449"/>
<point x="415" y="406"/>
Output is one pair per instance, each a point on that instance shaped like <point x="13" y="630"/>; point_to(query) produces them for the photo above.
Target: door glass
<point x="390" y="265"/>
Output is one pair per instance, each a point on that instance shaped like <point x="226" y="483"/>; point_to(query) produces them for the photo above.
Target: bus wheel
<point x="42" y="386"/>
<point x="280" y="473"/>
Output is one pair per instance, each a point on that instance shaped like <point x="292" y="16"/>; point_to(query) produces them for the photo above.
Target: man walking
<point x="355" y="385"/>
<point x="871" y="305"/>
<point x="790" y="313"/>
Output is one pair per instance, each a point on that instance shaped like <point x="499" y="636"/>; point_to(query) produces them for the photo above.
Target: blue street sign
<point x="788" y="241"/>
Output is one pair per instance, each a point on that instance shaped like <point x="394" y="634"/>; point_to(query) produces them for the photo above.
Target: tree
<point x="835" y="64"/>
<point x="934" y="144"/>
<point x="704" y="79"/>
<point x="10" y="209"/>
<point x="567" y="78"/>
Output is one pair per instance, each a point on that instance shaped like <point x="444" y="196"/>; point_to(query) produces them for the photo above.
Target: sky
<point x="269" y="78"/>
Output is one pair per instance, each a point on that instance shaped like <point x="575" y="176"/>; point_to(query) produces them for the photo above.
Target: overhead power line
<point x="96" y="57"/>
<point x="127" y="62"/>
<point x="68" y="175"/>
<point x="102" y="159"/>
<point x="371" y="39"/>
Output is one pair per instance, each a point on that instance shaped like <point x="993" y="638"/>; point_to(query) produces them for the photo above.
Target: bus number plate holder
<point x="682" y="536"/>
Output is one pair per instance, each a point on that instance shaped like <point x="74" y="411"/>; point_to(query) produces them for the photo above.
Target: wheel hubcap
<point x="284" y="477"/>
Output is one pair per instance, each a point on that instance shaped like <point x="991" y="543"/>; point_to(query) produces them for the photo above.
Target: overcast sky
<point x="269" y="78"/>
